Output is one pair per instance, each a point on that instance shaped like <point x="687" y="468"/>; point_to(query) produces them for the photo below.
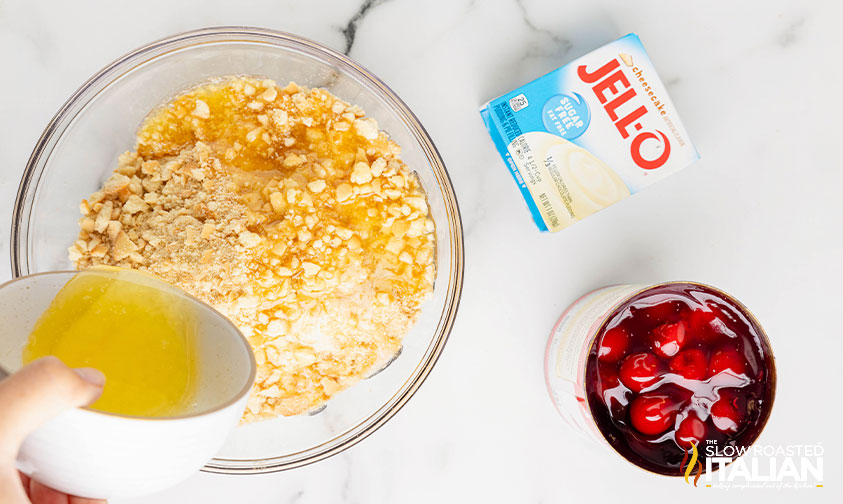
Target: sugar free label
<point x="566" y="115"/>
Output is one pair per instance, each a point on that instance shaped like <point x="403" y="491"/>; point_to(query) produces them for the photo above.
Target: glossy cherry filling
<point x="679" y="365"/>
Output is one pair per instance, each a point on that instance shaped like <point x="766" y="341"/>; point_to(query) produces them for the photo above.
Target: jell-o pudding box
<point x="589" y="134"/>
<point x="661" y="373"/>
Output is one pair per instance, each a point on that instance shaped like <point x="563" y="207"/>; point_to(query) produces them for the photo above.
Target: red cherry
<point x="668" y="339"/>
<point x="724" y="315"/>
<point x="727" y="358"/>
<point x="659" y="312"/>
<point x="607" y="382"/>
<point x="690" y="363"/>
<point x="725" y="416"/>
<point x="691" y="430"/>
<point x="608" y="379"/>
<point x="709" y="324"/>
<point x="652" y="414"/>
<point x="613" y="345"/>
<point x="700" y="325"/>
<point x="639" y="371"/>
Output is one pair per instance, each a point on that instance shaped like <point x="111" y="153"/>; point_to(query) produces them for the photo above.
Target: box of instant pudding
<point x="589" y="133"/>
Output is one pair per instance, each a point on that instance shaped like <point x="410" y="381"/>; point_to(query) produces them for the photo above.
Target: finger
<point x="82" y="500"/>
<point x="42" y="494"/>
<point x="38" y="392"/>
<point x="24" y="479"/>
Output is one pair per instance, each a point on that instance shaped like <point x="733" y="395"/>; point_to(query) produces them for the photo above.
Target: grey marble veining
<point x="350" y="29"/>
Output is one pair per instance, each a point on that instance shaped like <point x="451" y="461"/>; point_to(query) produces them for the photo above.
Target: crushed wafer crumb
<point x="287" y="210"/>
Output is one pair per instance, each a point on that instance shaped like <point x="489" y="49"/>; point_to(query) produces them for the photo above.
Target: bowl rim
<point x="216" y="409"/>
<point x="226" y="34"/>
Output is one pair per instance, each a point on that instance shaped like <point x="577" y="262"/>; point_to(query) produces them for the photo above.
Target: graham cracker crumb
<point x="311" y="235"/>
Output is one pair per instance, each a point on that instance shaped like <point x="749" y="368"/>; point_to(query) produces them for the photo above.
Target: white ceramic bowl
<point x="102" y="455"/>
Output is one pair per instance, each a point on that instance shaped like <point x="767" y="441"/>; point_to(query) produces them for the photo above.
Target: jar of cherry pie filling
<point x="654" y="371"/>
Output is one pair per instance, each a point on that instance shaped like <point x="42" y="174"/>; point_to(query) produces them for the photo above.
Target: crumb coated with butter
<point x="286" y="209"/>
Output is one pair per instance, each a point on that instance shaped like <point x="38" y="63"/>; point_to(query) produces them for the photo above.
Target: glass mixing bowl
<point x="79" y="149"/>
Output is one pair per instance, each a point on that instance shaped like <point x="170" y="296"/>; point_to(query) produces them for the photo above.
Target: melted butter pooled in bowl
<point x="137" y="330"/>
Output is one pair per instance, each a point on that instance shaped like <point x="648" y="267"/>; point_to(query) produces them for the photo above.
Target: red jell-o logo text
<point x="613" y="91"/>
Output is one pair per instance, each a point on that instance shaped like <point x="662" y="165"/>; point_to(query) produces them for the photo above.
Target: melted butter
<point x="140" y="336"/>
<point x="237" y="125"/>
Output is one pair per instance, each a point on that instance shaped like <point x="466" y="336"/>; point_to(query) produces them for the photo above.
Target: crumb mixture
<point x="287" y="210"/>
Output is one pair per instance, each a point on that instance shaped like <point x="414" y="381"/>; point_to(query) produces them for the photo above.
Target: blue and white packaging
<point x="589" y="134"/>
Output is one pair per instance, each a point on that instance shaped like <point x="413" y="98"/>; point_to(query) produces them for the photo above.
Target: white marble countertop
<point x="757" y="85"/>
